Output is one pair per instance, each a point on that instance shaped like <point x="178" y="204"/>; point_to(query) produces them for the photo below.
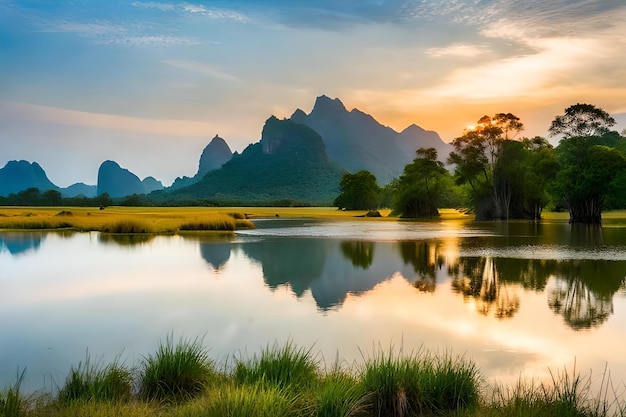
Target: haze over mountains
<point x="301" y="158"/>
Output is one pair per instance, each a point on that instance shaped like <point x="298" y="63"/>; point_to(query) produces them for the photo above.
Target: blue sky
<point x="149" y="83"/>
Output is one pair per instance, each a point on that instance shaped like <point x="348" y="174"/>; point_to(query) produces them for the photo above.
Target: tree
<point x="359" y="191"/>
<point x="590" y="160"/>
<point x="475" y="158"/>
<point x="586" y="176"/>
<point x="422" y="186"/>
<point x="582" y="120"/>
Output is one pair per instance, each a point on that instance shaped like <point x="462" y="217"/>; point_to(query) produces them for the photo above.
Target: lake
<point x="518" y="298"/>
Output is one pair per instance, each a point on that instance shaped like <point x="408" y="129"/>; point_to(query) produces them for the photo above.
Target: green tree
<point x="583" y="120"/>
<point x="590" y="158"/>
<point x="587" y="174"/>
<point x="359" y="191"/>
<point x="475" y="158"/>
<point x="422" y="186"/>
<point x="539" y="169"/>
<point x="52" y="198"/>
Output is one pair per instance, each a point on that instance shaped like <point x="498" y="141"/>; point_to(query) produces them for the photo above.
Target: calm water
<point x="517" y="298"/>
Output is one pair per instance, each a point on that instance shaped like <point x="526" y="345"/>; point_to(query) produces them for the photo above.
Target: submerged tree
<point x="422" y="185"/>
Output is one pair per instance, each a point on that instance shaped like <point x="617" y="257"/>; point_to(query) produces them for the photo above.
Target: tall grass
<point x="286" y="366"/>
<point x="180" y="380"/>
<point x="566" y="394"/>
<point x="419" y="383"/>
<point x="178" y="371"/>
<point x="11" y="402"/>
<point x="92" y="381"/>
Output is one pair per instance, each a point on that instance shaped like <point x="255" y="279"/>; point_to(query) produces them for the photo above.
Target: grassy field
<point x="165" y="220"/>
<point x="181" y="380"/>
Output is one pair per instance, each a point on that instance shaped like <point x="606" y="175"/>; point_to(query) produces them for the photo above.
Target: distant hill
<point x="120" y="182"/>
<point x="289" y="162"/>
<point x="17" y="176"/>
<point x="214" y="155"/>
<point x="79" y="188"/>
<point x="356" y="141"/>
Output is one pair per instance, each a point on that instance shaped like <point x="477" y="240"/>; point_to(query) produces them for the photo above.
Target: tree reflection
<point x="481" y="280"/>
<point x="426" y="258"/>
<point x="124" y="239"/>
<point x="584" y="291"/>
<point x="360" y="253"/>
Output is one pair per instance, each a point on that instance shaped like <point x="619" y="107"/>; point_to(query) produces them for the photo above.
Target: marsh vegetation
<point x="181" y="379"/>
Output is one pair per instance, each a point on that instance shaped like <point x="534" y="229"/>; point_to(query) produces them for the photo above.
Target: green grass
<point x="177" y="372"/>
<point x="89" y="381"/>
<point x="419" y="383"/>
<point x="180" y="380"/>
<point x="11" y="402"/>
<point x="286" y="366"/>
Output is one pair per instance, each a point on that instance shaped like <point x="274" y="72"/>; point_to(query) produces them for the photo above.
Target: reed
<point x="178" y="371"/>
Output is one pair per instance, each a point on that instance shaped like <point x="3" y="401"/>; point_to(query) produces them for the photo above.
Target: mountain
<point x="120" y="182"/>
<point x="17" y="176"/>
<point x="356" y="141"/>
<point x="214" y="155"/>
<point x="79" y="188"/>
<point x="289" y="162"/>
<point x="150" y="184"/>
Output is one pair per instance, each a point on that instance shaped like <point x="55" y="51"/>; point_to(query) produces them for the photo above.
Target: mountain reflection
<point x="17" y="243"/>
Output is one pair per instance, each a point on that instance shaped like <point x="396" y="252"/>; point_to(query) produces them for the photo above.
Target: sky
<point x="149" y="83"/>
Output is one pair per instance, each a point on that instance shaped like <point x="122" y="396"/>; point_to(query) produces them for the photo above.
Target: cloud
<point x="203" y="68"/>
<point x="164" y="7"/>
<point x="214" y="13"/>
<point x="457" y="50"/>
<point x="163" y="40"/>
<point x="33" y="112"/>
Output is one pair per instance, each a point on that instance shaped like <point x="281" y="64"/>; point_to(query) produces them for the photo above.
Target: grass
<point x="123" y="220"/>
<point x="180" y="380"/>
<point x="177" y="372"/>
<point x="284" y="367"/>
<point x="89" y="381"/>
<point x="417" y="383"/>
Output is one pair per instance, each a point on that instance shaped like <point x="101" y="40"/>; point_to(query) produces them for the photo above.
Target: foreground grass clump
<point x="90" y="381"/>
<point x="418" y="384"/>
<point x="176" y="372"/>
<point x="180" y="380"/>
<point x="287" y="366"/>
<point x="255" y="400"/>
<point x="11" y="402"/>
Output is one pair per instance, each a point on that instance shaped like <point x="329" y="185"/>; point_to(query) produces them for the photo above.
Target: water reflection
<point x="360" y="253"/>
<point x="125" y="239"/>
<point x="17" y="243"/>
<point x="584" y="291"/>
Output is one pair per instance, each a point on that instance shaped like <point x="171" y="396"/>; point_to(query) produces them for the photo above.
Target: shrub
<point x="176" y="372"/>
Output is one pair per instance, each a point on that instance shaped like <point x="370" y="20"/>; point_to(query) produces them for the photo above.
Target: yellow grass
<point x="120" y="219"/>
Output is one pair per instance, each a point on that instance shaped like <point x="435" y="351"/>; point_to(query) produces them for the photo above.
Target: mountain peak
<point x="214" y="155"/>
<point x="327" y="105"/>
